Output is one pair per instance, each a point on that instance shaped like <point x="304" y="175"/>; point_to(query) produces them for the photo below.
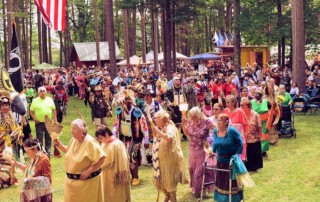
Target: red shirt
<point x="228" y="87"/>
<point x="216" y="89"/>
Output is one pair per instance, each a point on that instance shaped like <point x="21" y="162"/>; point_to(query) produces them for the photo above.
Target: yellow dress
<point x="116" y="173"/>
<point x="79" y="157"/>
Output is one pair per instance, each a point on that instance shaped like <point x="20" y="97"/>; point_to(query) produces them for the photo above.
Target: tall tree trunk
<point x="154" y="20"/>
<point x="143" y="33"/>
<point x="104" y="21"/>
<point x="30" y="29"/>
<point x="279" y="24"/>
<point x="186" y="40"/>
<point x="110" y="38"/>
<point x="152" y="11"/>
<point x="206" y="32"/>
<point x="73" y="19"/>
<point x="16" y="20"/>
<point x="133" y="32"/>
<point x="163" y="34"/>
<point x="237" y="37"/>
<point x="117" y="37"/>
<point x="195" y="37"/>
<point x="126" y="36"/>
<point x="27" y="60"/>
<point x="198" y="36"/>
<point x="44" y="42"/>
<point x="228" y="15"/>
<point x="39" y="37"/>
<point x="49" y="47"/>
<point x="167" y="38"/>
<point x="283" y="49"/>
<point x="68" y="41"/>
<point x="210" y="32"/>
<point x="298" y="43"/>
<point x="5" y="33"/>
<point x="61" y="48"/>
<point x="9" y="29"/>
<point x="159" y="36"/>
<point x="96" y="32"/>
<point x="173" y="37"/>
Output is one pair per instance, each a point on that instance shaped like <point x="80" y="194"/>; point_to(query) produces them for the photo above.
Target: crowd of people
<point x="233" y="117"/>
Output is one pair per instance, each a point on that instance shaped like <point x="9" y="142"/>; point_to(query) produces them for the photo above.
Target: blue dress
<point x="226" y="147"/>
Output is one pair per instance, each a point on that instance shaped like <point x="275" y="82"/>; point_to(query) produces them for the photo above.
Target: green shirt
<point x="260" y="108"/>
<point x="287" y="99"/>
<point x="30" y="92"/>
<point x="42" y="107"/>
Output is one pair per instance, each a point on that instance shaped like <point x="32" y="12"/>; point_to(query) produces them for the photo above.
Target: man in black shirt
<point x="38" y="80"/>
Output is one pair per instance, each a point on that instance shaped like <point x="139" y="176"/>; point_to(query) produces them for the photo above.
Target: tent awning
<point x="205" y="56"/>
<point x="179" y="56"/>
<point x="134" y="60"/>
<point x="45" y="66"/>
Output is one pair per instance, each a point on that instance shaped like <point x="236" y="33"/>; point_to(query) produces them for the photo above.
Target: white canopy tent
<point x="134" y="60"/>
<point x="179" y="56"/>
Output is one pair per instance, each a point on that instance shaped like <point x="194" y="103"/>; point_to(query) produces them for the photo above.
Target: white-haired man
<point x="40" y="107"/>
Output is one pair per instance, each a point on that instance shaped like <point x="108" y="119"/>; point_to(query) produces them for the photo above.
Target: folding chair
<point x="314" y="104"/>
<point x="300" y="104"/>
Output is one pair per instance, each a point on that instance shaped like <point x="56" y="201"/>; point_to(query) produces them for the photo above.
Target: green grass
<point x="290" y="173"/>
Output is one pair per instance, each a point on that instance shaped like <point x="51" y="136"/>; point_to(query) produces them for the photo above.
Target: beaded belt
<point x="77" y="176"/>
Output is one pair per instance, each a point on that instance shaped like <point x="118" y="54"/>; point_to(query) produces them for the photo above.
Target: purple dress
<point x="198" y="134"/>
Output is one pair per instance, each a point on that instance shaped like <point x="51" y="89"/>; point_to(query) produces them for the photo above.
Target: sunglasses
<point x="42" y="91"/>
<point x="4" y="100"/>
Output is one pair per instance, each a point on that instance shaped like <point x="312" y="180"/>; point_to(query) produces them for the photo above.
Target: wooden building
<point x="249" y="54"/>
<point x="85" y="54"/>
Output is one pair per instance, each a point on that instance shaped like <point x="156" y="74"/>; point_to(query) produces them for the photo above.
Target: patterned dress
<point x="254" y="157"/>
<point x="198" y="134"/>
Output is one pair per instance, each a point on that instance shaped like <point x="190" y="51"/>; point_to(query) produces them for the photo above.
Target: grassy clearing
<point x="290" y="173"/>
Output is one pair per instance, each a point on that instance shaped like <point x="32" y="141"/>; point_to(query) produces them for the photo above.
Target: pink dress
<point x="198" y="134"/>
<point x="239" y="121"/>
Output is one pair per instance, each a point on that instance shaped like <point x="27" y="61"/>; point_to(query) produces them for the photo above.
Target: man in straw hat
<point x="151" y="107"/>
<point x="174" y="97"/>
<point x="131" y="126"/>
<point x="100" y="106"/>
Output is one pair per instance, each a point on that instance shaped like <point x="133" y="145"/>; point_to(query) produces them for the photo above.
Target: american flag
<point x="53" y="13"/>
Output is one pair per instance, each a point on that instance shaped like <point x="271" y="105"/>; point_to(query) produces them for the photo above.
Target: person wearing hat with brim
<point x="151" y="106"/>
<point x="173" y="98"/>
<point x="262" y="106"/>
<point x="60" y="98"/>
<point x="191" y="95"/>
<point x="131" y="127"/>
<point x="100" y="107"/>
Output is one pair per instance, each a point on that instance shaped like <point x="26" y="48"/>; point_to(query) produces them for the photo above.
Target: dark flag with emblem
<point x="15" y="63"/>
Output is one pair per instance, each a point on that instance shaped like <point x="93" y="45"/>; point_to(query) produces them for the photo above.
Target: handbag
<point x="125" y="128"/>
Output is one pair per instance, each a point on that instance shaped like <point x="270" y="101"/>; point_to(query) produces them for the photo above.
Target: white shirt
<point x="294" y="90"/>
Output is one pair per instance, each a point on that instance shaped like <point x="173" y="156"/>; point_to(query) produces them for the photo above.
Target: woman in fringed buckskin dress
<point x="168" y="166"/>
